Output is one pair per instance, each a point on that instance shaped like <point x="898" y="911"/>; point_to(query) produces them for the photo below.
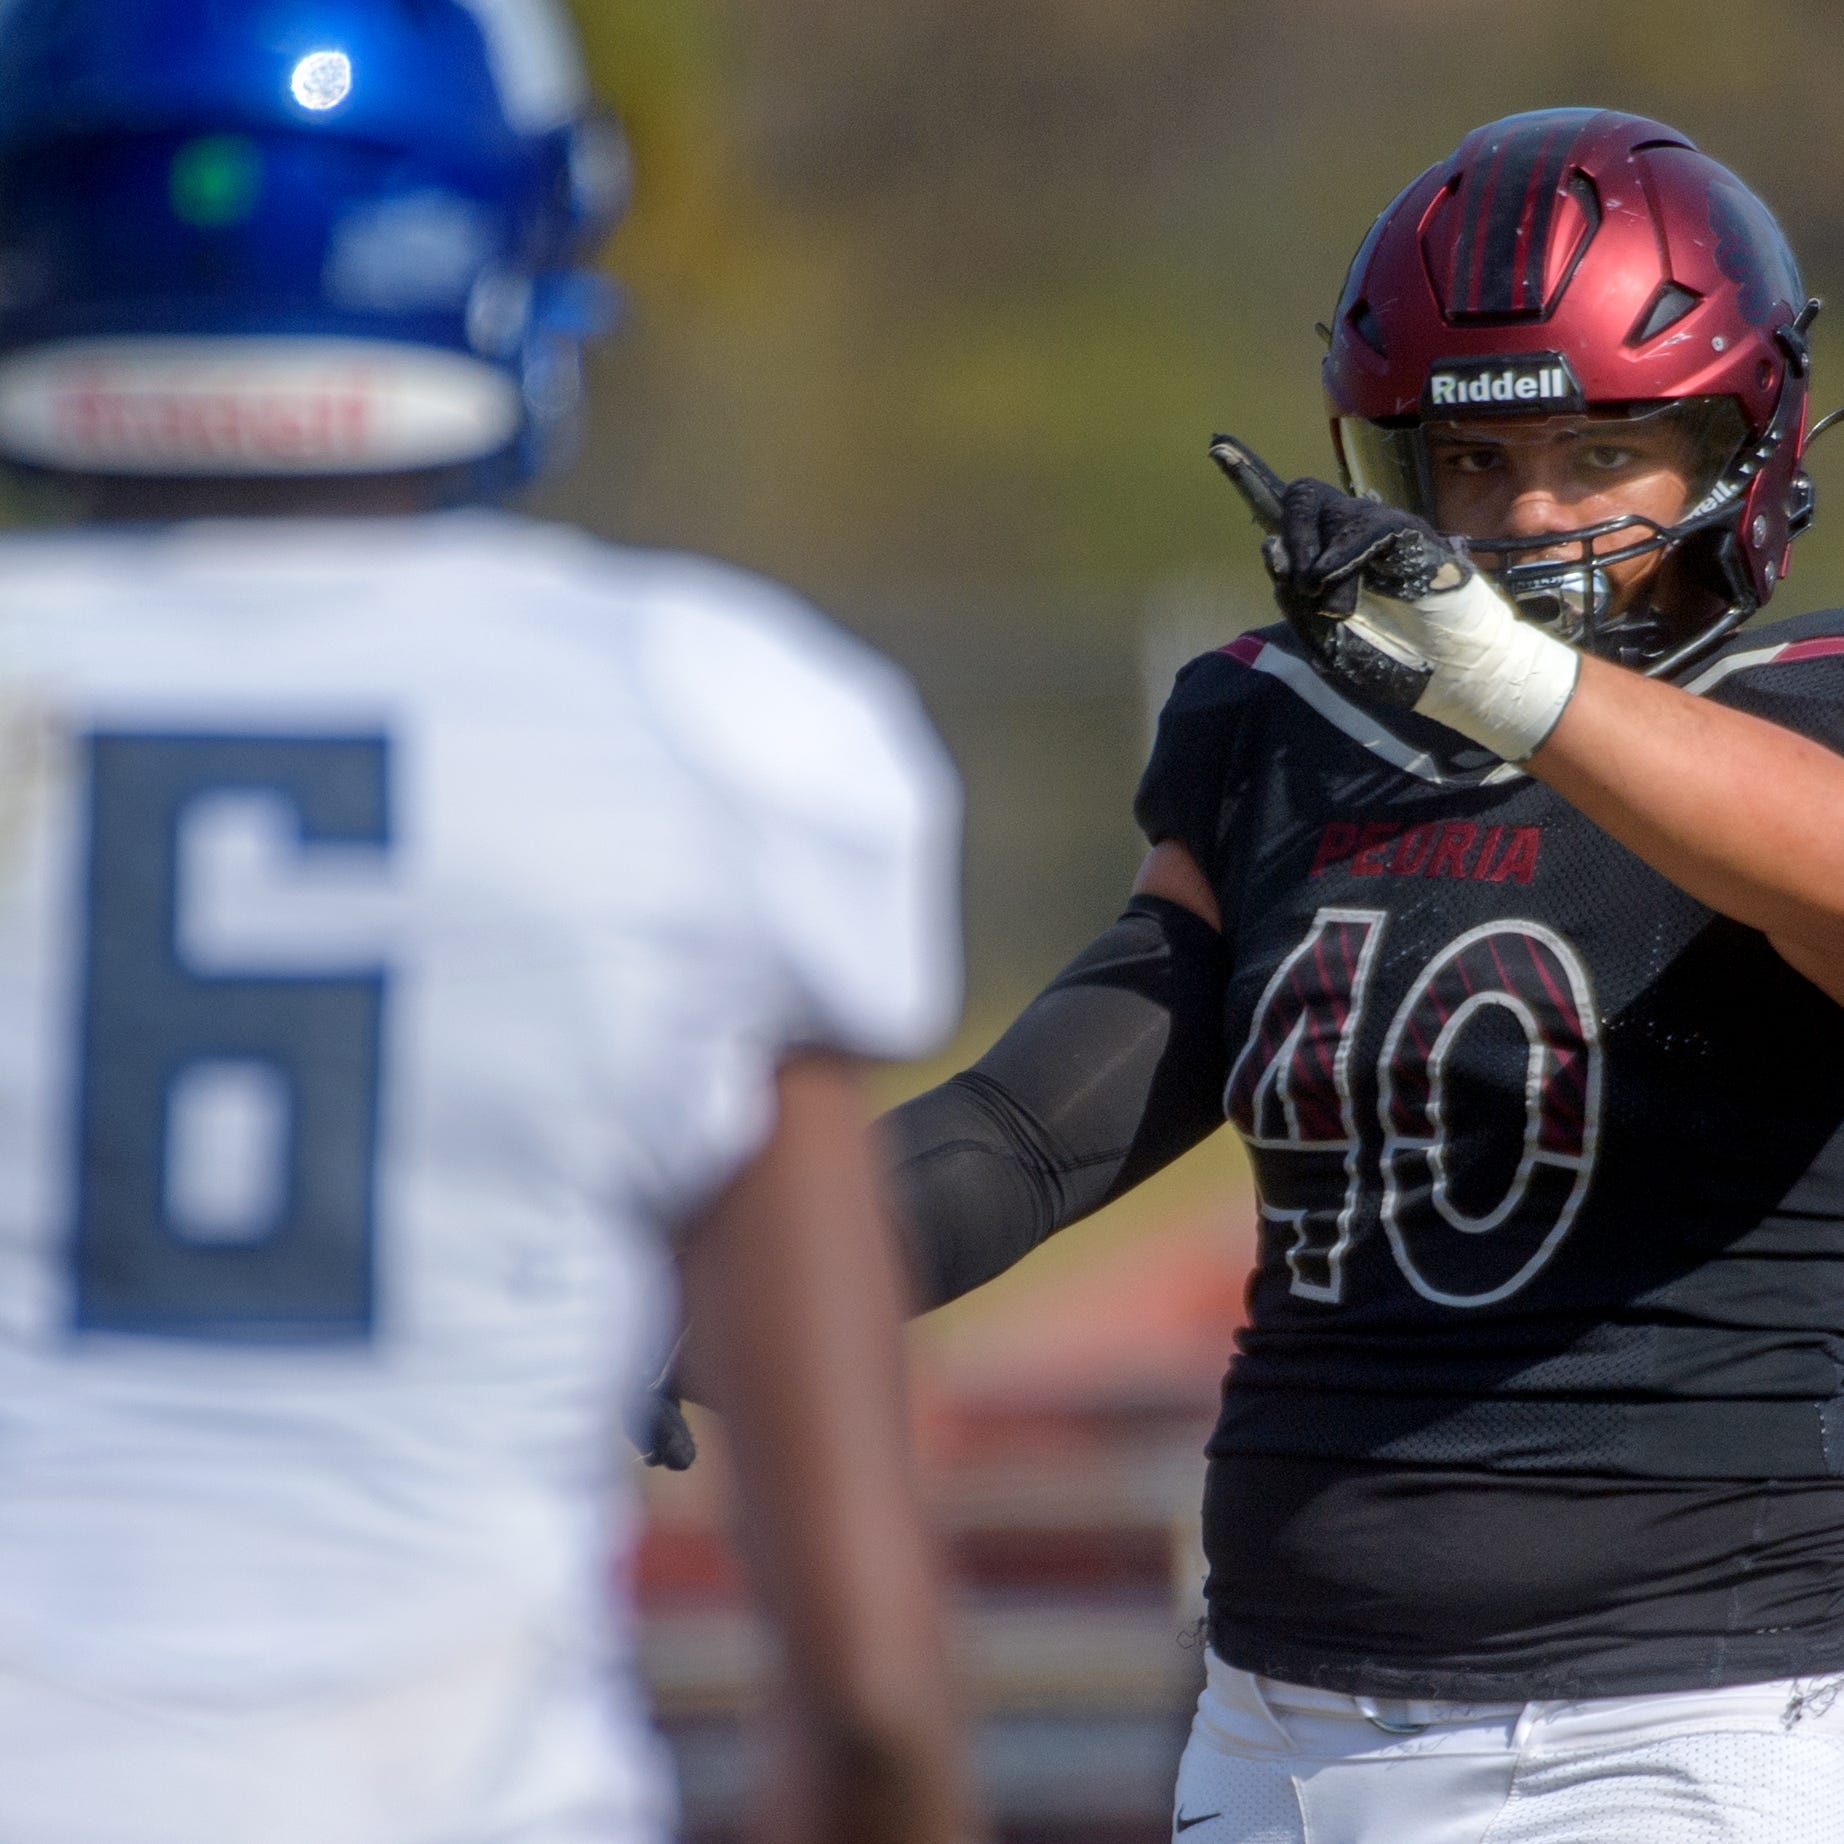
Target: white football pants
<point x="1274" y="1763"/>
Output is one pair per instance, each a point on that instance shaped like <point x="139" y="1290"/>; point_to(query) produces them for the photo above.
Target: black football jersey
<point x="1550" y="1157"/>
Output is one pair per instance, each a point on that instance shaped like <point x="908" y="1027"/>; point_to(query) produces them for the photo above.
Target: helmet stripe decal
<point x="1540" y="210"/>
<point x="1475" y="202"/>
<point x="1500" y="218"/>
<point x="1511" y="221"/>
<point x="1506" y="209"/>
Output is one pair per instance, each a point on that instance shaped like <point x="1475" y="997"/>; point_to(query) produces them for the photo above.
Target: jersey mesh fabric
<point x="1462" y="1582"/>
<point x="1418" y="1489"/>
<point x="1673" y="1303"/>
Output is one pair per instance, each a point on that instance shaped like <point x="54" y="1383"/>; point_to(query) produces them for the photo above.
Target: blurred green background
<point x="934" y="304"/>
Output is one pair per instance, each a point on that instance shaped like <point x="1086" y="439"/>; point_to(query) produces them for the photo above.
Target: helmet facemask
<point x="1577" y="581"/>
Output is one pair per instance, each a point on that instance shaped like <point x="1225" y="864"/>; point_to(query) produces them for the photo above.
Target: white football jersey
<point x="400" y="925"/>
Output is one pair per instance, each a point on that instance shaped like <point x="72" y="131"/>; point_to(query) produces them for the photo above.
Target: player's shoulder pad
<point x="839" y="803"/>
<point x="1207" y="716"/>
<point x="763" y="695"/>
<point x="1202" y="753"/>
<point x="1228" y="678"/>
<point x="1752" y="656"/>
<point x="783" y="706"/>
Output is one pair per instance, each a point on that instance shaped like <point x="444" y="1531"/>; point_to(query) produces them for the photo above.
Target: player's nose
<point x="1536" y="508"/>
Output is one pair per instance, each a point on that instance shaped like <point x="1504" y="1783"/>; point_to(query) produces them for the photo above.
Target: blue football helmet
<point x="301" y="237"/>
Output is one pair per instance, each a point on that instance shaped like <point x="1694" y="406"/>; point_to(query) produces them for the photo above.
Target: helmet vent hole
<point x="1364" y="324"/>
<point x="1566" y="252"/>
<point x="1764" y="374"/>
<point x="1668" y="307"/>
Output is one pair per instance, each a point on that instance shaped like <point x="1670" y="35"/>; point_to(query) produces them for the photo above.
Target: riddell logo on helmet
<point x="1489" y="387"/>
<point x="252" y="406"/>
<point x="329" y="427"/>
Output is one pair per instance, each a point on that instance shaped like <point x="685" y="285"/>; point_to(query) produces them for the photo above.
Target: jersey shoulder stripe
<point x="1807" y="639"/>
<point x="1792" y="652"/>
<point x="1266" y="653"/>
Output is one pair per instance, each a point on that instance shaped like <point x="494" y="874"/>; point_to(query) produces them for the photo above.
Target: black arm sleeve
<point x="1111" y="1072"/>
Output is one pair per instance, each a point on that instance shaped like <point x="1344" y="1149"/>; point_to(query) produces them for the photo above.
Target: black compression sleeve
<point x="1111" y="1072"/>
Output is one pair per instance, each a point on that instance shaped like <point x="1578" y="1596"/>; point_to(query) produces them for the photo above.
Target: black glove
<point x="657" y="1426"/>
<point x="1330" y="545"/>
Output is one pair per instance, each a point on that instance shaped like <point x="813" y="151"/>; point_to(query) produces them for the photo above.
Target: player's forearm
<point x="1744" y="815"/>
<point x="1113" y="1071"/>
<point x="1739" y="813"/>
<point x="794" y="1299"/>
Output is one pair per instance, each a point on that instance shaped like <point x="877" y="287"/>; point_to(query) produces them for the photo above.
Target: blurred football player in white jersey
<point x="413" y="922"/>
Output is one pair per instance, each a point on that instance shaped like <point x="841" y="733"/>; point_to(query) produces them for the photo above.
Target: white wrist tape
<point x="1497" y="679"/>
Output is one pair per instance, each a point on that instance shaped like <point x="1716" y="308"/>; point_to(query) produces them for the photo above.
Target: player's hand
<point x="1331" y="544"/>
<point x="1316" y="560"/>
<point x="658" y="1428"/>
<point x="1389" y="609"/>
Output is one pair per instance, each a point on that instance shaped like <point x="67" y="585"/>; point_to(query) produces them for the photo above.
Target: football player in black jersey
<point x="1496" y="896"/>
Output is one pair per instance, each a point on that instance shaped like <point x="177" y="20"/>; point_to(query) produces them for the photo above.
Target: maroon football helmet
<point x="1570" y="262"/>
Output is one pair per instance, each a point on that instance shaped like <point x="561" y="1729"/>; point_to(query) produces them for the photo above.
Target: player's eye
<point x="1607" y="457"/>
<point x="1472" y="460"/>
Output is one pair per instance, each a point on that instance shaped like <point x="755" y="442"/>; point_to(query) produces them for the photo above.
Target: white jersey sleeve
<point x="847" y="811"/>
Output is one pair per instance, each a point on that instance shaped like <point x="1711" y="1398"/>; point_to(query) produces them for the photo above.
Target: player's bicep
<point x="1170" y="871"/>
